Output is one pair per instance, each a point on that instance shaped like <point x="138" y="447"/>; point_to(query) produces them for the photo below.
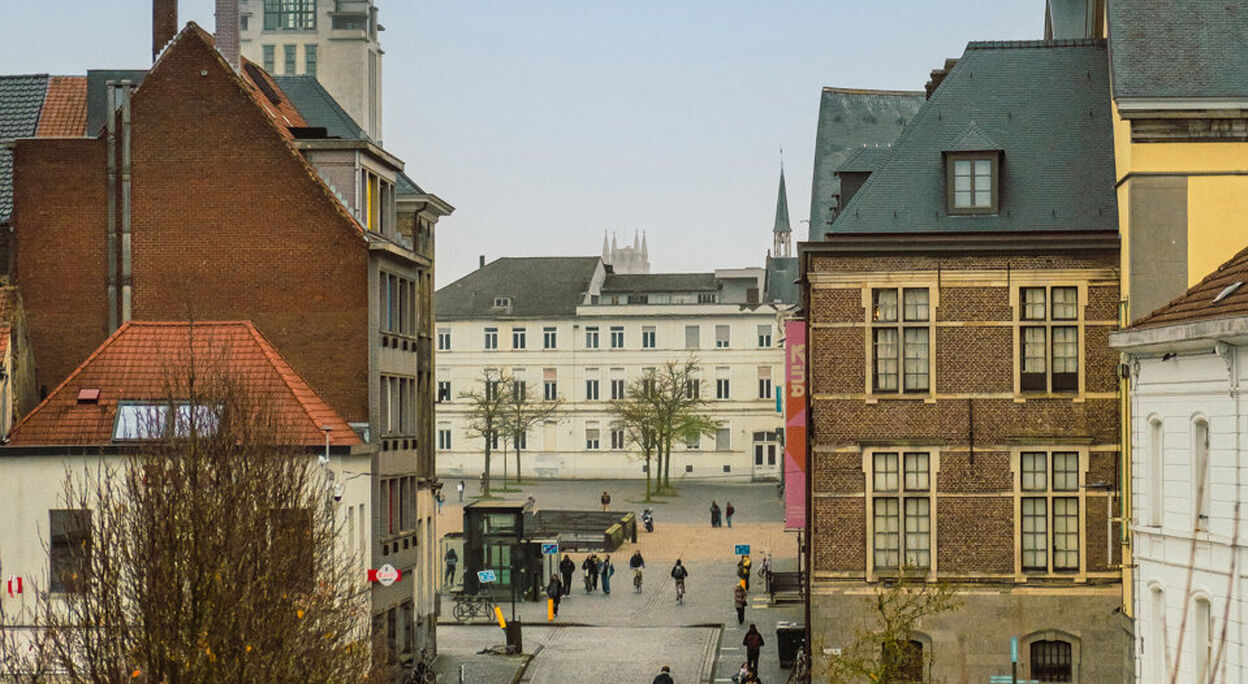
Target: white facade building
<point x="334" y="40"/>
<point x="1189" y="424"/>
<point x="569" y="327"/>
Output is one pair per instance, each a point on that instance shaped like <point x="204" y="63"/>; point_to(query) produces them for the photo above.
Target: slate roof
<point x="1197" y="303"/>
<point x="319" y="108"/>
<point x="782" y="209"/>
<point x="64" y="112"/>
<point x="624" y="283"/>
<point x="868" y="158"/>
<point x="21" y="98"/>
<point x="537" y="286"/>
<point x="97" y="94"/>
<point x="781" y="280"/>
<point x="135" y="363"/>
<point x="848" y="119"/>
<point x="1171" y="49"/>
<point x="1045" y="103"/>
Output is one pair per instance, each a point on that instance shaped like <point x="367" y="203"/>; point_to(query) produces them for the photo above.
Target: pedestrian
<point x="554" y="591"/>
<point x="664" y="676"/>
<point x="451" y="559"/>
<point x="743" y="570"/>
<point x="753" y="642"/>
<point x="566" y="566"/>
<point x="483" y="492"/>
<point x="714" y="514"/>
<point x="531" y="503"/>
<point x="728" y="511"/>
<point x="440" y="499"/>
<point x="739" y="596"/>
<point x="590" y="567"/>
<point x="605" y="570"/>
<point x="460" y="488"/>
<point x="751" y="677"/>
<point x="606" y="501"/>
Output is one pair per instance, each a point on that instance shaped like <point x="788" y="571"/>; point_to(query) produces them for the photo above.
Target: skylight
<point x="1226" y="292"/>
<point x="139" y="420"/>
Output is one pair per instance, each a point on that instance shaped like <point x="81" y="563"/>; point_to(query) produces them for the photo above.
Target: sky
<point x="547" y="123"/>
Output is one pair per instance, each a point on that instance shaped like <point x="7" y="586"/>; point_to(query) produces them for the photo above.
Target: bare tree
<point x="486" y="413"/>
<point x="521" y="412"/>
<point x="637" y="415"/>
<point x="208" y="554"/>
<point x="883" y="649"/>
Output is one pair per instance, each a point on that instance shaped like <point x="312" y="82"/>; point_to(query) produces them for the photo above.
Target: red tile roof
<point x="64" y="112"/>
<point x="136" y="363"/>
<point x="1198" y="302"/>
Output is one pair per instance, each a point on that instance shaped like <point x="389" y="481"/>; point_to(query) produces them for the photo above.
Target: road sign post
<point x="1014" y="659"/>
<point x="550" y="549"/>
<point x="741" y="550"/>
<point x="486" y="576"/>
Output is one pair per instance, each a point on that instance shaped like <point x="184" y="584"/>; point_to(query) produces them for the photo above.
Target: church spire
<point x="782" y="230"/>
<point x="606" y="252"/>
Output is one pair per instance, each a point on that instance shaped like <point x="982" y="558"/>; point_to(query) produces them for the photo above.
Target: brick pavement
<point x="652" y="627"/>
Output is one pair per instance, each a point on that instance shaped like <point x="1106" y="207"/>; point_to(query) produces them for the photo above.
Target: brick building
<point x="964" y="400"/>
<point x="201" y="199"/>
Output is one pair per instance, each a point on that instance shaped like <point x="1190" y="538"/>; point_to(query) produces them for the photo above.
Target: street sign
<point x="550" y="549"/>
<point x="486" y="576"/>
<point x="1013" y="649"/>
<point x="741" y="550"/>
<point x="386" y="575"/>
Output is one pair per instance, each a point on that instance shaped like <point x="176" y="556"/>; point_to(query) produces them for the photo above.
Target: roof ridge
<point x="869" y="91"/>
<point x="286" y="373"/>
<point x="1015" y="44"/>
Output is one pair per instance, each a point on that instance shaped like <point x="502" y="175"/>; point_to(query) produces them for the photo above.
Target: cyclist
<point x="679" y="573"/>
<point x="637" y="563"/>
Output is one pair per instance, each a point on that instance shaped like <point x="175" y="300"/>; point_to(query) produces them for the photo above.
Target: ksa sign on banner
<point x="795" y="424"/>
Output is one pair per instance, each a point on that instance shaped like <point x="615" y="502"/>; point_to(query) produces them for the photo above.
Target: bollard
<point x="550" y="610"/>
<point x="461" y="674"/>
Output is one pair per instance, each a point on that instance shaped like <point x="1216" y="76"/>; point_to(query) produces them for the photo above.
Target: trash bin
<point x="790" y="638"/>
<point x="514" y="642"/>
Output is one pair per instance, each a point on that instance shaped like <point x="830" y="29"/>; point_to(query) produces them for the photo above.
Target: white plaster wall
<point x="1169" y="556"/>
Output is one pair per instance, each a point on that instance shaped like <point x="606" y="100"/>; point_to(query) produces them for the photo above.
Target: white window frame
<point x="900" y="494"/>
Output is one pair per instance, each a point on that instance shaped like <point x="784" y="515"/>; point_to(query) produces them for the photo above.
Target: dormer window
<point x="502" y="302"/>
<point x="972" y="179"/>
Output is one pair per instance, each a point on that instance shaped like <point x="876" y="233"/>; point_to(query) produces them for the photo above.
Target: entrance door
<point x="766" y="456"/>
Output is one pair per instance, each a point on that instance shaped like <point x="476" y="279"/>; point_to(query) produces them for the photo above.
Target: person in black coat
<point x="566" y="566"/>
<point x="664" y="676"/>
<point x="554" y="591"/>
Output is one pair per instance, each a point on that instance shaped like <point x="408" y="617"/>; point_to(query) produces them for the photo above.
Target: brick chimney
<point x="164" y="24"/>
<point x="227" y="31"/>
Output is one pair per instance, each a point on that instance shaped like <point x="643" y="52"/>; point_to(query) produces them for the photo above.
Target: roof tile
<point x="1198" y="302"/>
<point x="65" y="108"/>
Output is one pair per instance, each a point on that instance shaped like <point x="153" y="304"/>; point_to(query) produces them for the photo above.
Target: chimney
<point x="227" y="31"/>
<point x="481" y="261"/>
<point x="164" y="24"/>
<point x="938" y="76"/>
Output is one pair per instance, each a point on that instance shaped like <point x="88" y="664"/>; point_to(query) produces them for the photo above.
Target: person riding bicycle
<point x="679" y="573"/>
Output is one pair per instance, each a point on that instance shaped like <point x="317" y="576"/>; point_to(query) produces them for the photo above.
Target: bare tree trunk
<point x="665" y="443"/>
<point x="519" y="475"/>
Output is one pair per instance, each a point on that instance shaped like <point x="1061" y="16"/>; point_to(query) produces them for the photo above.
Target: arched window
<point x="1051" y="661"/>
<point x="1203" y="641"/>
<point x="1156" y="474"/>
<point x="1156" y="650"/>
<point x="905" y="659"/>
<point x="1200" y="473"/>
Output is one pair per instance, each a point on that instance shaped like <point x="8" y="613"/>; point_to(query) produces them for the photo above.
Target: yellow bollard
<point x="502" y="624"/>
<point x="550" y="610"/>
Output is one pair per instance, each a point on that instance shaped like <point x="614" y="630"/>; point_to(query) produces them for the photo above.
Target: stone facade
<point x="931" y="452"/>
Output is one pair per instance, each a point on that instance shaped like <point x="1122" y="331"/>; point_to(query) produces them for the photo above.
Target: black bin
<point x="790" y="637"/>
<point x="514" y="641"/>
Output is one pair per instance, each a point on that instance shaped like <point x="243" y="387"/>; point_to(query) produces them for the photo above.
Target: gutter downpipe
<point x="125" y="201"/>
<point x="111" y="165"/>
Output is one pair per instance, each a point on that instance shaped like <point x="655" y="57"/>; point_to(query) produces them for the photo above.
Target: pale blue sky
<point x="548" y="122"/>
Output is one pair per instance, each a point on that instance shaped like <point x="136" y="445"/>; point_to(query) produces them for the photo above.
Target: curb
<point x="523" y="672"/>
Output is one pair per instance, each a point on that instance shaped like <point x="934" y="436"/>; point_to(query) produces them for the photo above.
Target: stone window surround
<point x="1081" y="493"/>
<point x="901" y="282"/>
<point x="868" y="469"/>
<point x="1076" y="655"/>
<point x="1016" y="286"/>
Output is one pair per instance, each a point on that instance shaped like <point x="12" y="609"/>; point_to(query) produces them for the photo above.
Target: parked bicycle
<point x="469" y="606"/>
<point x="422" y="670"/>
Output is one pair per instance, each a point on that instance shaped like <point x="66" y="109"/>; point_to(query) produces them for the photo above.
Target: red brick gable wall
<point x="228" y="223"/>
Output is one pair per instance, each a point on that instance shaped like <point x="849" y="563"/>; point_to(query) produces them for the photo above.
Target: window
<point x="358" y="22"/>
<point x="270" y="57"/>
<point x="591" y="384"/>
<point x="647" y="337"/>
<point x="693" y="337"/>
<point x="723" y="439"/>
<point x="617" y="337"/>
<point x="693" y="442"/>
<point x="907" y="656"/>
<point x="591" y="337"/>
<point x="706" y="298"/>
<point x="502" y="302"/>
<point x="398" y="406"/>
<point x="722" y="388"/>
<point x="972" y="181"/>
<point x="591" y="436"/>
<point x="550" y="338"/>
<point x="444" y="438"/>
<point x="1202" y="640"/>
<point x="309" y="59"/>
<point x="444" y="390"/>
<point x="617" y="439"/>
<point x="1049" y="510"/>
<point x="136" y="421"/>
<point x="491" y="338"/>
<point x="288" y="53"/>
<point x="617" y="388"/>
<point x="1156" y="473"/>
<point x="901" y="510"/>
<point x="1051" y="661"/>
<point x="290" y="15"/>
<point x="693" y="389"/>
<point x="397" y="302"/>
<point x="900" y="349"/>
<point x="444" y="339"/>
<point x="521" y="440"/>
<point x="764" y="382"/>
<point x="492" y="387"/>
<point x="550" y="384"/>
<point x="764" y="336"/>
<point x="517" y="338"/>
<point x="1048" y="349"/>
<point x="520" y="389"/>
<point x="69" y="548"/>
<point x="1158" y="635"/>
<point x="765" y="443"/>
<point x="722" y="338"/>
<point x="244" y="23"/>
<point x="1200" y="473"/>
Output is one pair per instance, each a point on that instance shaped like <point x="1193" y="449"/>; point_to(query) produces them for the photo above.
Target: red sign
<point x="795" y="424"/>
<point x="386" y="575"/>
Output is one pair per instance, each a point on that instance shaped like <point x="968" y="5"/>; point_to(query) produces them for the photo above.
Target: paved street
<point x="626" y="637"/>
